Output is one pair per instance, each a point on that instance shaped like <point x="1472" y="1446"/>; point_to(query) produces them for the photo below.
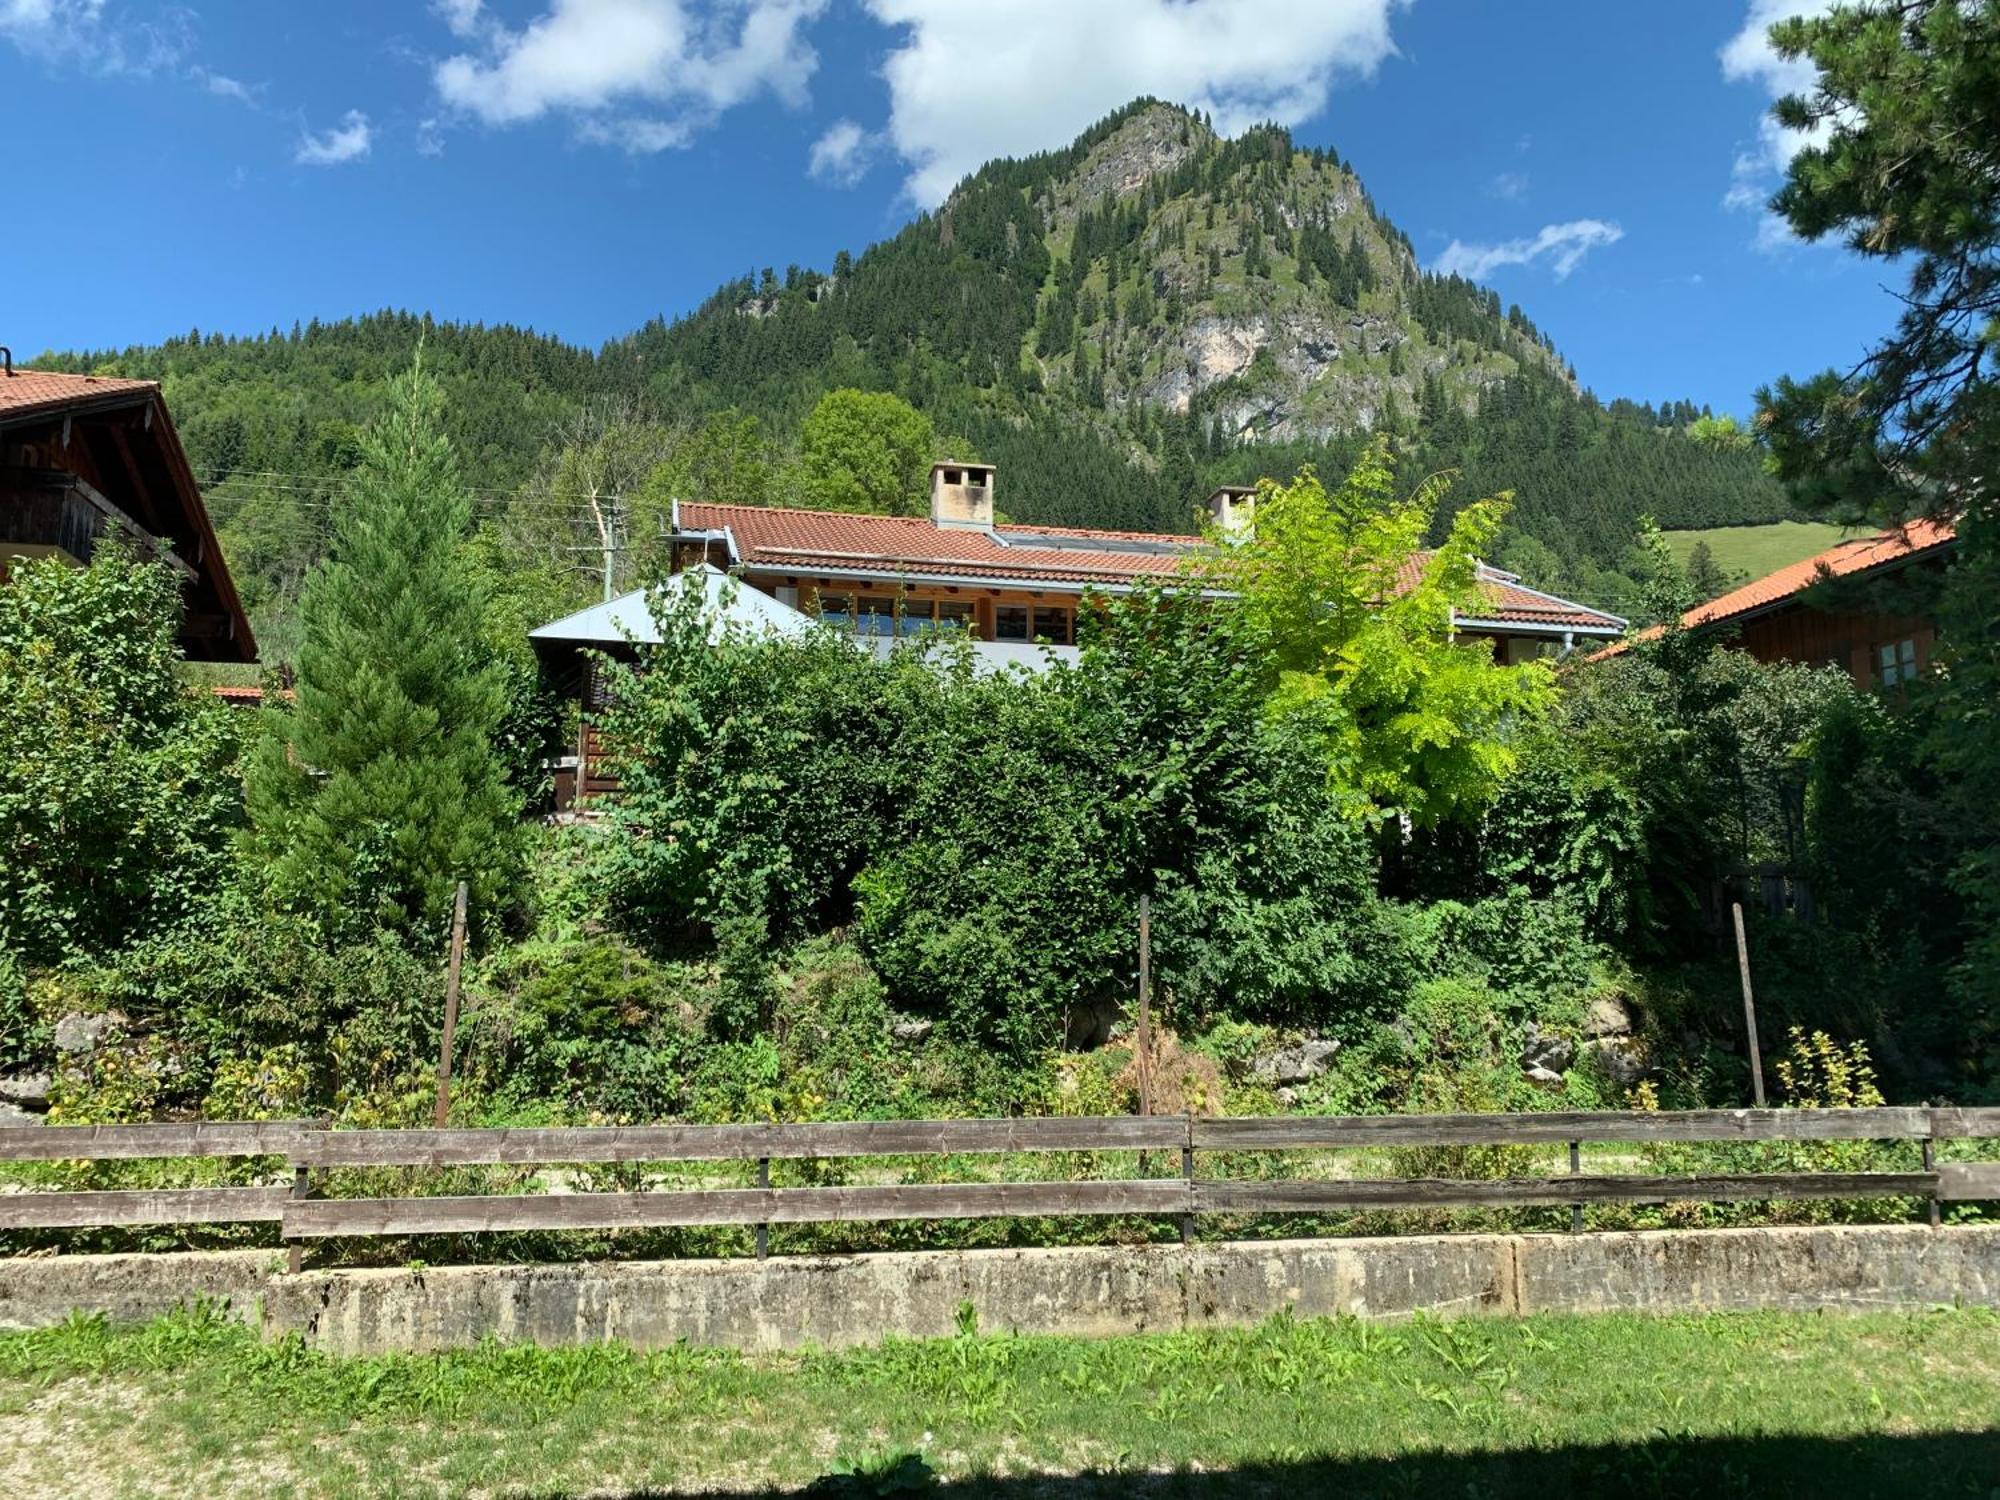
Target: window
<point x="1053" y="623"/>
<point x="1896" y="663"/>
<point x="1057" y="626"/>
<point x="836" y="610"/>
<point x="875" y="615"/>
<point x="920" y="616"/>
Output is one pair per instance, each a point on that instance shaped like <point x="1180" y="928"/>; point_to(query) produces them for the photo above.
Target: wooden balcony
<point x="48" y="513"/>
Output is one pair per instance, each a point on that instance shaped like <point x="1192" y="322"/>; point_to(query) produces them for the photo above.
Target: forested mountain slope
<point x="1118" y="325"/>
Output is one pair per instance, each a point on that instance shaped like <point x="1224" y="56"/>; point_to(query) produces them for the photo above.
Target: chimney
<point x="1232" y="510"/>
<point x="962" y="495"/>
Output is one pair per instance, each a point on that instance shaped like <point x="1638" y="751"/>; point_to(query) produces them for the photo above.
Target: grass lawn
<point x="1755" y="1405"/>
<point x="1754" y="551"/>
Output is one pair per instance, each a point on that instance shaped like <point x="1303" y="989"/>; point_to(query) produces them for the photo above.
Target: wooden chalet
<point x="83" y="457"/>
<point x="1014" y="590"/>
<point x="1850" y="606"/>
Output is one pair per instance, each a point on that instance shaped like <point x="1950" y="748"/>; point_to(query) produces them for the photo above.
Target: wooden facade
<point x="1863" y="605"/>
<point x="84" y="459"/>
<point x="1877" y="650"/>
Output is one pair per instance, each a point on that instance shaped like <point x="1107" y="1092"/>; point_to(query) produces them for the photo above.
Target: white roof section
<point x="630" y="618"/>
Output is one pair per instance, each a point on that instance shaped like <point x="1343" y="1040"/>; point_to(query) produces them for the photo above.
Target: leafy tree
<point x="118" y="788"/>
<point x="1900" y="121"/>
<point x="382" y="789"/>
<point x="589" y="509"/>
<point x="866" y="451"/>
<point x="1356" y="634"/>
<point x="1724" y="433"/>
<point x="724" y="460"/>
<point x="752" y="775"/>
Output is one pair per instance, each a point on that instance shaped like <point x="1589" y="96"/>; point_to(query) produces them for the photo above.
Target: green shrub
<point x="118" y="788"/>
<point x="26" y="1040"/>
<point x="590" y="1025"/>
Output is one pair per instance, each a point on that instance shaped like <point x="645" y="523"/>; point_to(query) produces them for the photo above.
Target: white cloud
<point x="638" y="134"/>
<point x="842" y="155"/>
<point x="1564" y="246"/>
<point x="641" y="74"/>
<point x="227" y="88"/>
<point x="48" y="25"/>
<point x="345" y="142"/>
<point x="970" y="81"/>
<point x="1512" y="186"/>
<point x="466" y="18"/>
<point x="1749" y="57"/>
<point x="87" y="34"/>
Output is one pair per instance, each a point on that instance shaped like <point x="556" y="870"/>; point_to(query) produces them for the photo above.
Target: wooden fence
<point x="308" y="1149"/>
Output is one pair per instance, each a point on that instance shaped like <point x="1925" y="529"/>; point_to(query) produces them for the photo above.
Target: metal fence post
<point x="1930" y="1165"/>
<point x="763" y="1228"/>
<point x="450" y="1006"/>
<point x="1575" y="1170"/>
<point x="1749" y="1008"/>
<point x="301" y="1189"/>
<point x="1187" y="1176"/>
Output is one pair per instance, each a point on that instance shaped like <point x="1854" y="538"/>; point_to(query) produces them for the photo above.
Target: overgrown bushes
<point x="118" y="788"/>
<point x="844" y="885"/>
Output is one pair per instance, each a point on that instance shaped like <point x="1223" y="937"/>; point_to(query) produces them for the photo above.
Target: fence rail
<point x="308" y="1148"/>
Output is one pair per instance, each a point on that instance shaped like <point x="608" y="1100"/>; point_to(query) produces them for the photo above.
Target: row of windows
<point x="886" y="615"/>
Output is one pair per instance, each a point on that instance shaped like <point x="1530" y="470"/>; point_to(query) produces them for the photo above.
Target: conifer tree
<point x="380" y="789"/>
<point x="1705" y="575"/>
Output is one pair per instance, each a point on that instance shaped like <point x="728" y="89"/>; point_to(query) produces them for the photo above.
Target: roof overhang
<point x="230" y="638"/>
<point x="1535" y="627"/>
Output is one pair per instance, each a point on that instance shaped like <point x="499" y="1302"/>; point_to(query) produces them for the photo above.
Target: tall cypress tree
<point x="380" y="789"/>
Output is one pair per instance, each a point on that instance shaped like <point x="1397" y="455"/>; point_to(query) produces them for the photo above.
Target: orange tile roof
<point x="1846" y="559"/>
<point x="771" y="537"/>
<point x="840" y="542"/>
<point x="27" y="391"/>
<point x="230" y="692"/>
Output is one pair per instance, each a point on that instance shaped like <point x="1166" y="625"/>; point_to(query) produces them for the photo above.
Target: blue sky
<point x="581" y="165"/>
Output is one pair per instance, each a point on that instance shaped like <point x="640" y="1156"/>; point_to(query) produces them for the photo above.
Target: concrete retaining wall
<point x="839" y="1300"/>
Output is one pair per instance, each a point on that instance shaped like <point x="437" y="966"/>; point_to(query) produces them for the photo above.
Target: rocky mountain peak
<point x="1149" y="142"/>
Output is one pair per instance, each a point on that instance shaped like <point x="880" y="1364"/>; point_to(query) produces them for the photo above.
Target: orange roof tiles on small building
<point x="1912" y="541"/>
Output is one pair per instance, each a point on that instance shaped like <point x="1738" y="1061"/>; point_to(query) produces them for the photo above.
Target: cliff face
<point x="1254" y="283"/>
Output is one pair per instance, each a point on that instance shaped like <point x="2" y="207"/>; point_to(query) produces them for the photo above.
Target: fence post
<point x="1187" y="1176"/>
<point x="1145" y="1005"/>
<point x="1575" y="1170"/>
<point x="450" y="1005"/>
<point x="301" y="1189"/>
<point x="1749" y="1008"/>
<point x="763" y="1229"/>
<point x="1930" y="1162"/>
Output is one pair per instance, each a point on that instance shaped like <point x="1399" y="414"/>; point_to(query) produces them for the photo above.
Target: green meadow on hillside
<point x="1753" y="551"/>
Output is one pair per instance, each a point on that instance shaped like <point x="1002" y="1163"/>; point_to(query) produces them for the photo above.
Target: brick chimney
<point x="962" y="495"/>
<point x="1233" y="510"/>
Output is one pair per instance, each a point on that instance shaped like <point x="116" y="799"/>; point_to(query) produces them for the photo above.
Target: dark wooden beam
<point x="208" y="627"/>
